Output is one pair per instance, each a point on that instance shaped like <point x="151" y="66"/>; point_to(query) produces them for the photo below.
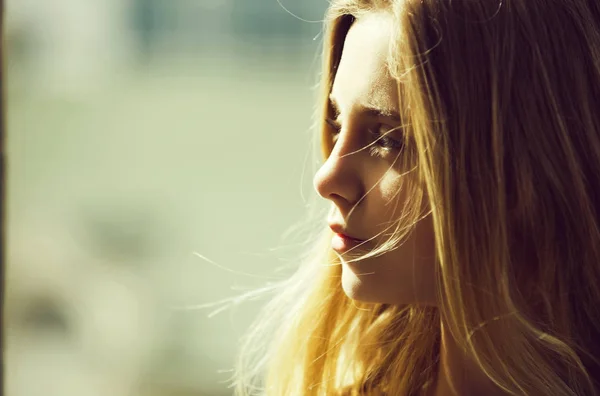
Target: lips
<point x="341" y="231"/>
<point x="342" y="244"/>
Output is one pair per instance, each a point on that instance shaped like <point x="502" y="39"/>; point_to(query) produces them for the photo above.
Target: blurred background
<point x="139" y="133"/>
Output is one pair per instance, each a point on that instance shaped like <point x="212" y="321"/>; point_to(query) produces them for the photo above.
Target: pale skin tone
<point x="365" y="96"/>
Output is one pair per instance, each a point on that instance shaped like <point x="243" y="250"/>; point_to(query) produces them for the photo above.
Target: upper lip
<point x="340" y="229"/>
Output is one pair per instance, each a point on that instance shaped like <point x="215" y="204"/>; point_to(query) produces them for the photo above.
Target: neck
<point x="458" y="374"/>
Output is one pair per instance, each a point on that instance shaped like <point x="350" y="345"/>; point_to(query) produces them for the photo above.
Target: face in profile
<point x="364" y="175"/>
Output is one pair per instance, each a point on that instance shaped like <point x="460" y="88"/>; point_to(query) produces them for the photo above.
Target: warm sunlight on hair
<point x="461" y="148"/>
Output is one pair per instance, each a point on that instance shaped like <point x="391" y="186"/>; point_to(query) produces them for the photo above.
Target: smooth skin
<point x="365" y="96"/>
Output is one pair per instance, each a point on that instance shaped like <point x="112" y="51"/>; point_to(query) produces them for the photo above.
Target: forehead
<point x="363" y="78"/>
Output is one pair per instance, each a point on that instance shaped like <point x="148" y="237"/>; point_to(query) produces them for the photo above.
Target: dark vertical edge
<point x="3" y="205"/>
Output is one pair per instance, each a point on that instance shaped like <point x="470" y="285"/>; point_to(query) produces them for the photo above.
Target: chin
<point x="360" y="287"/>
<point x="384" y="288"/>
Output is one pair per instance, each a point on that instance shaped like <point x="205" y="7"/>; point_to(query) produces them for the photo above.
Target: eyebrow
<point x="371" y="111"/>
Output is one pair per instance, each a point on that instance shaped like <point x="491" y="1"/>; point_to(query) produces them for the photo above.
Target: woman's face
<point x="366" y="98"/>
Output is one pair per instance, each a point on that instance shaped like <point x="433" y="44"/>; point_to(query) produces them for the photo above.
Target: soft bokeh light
<point x="140" y="132"/>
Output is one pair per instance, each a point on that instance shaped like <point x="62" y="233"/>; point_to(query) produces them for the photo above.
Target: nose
<point x="338" y="180"/>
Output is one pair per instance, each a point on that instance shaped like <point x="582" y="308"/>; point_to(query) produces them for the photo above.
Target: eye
<point x="381" y="137"/>
<point x="379" y="134"/>
<point x="335" y="126"/>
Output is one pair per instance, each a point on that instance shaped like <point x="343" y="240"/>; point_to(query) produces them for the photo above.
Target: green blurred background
<point x="140" y="132"/>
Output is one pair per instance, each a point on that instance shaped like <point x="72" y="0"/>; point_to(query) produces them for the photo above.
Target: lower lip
<point x="341" y="243"/>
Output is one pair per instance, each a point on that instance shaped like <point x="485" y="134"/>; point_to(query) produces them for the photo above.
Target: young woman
<point x="461" y="141"/>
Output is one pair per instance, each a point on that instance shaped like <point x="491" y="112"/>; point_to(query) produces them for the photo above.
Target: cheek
<point x="396" y="190"/>
<point x="390" y="186"/>
<point x="405" y="275"/>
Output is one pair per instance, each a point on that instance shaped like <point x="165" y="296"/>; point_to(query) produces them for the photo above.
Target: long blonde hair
<point x="501" y="106"/>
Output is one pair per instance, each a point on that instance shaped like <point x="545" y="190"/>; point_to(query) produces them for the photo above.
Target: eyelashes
<point x="378" y="135"/>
